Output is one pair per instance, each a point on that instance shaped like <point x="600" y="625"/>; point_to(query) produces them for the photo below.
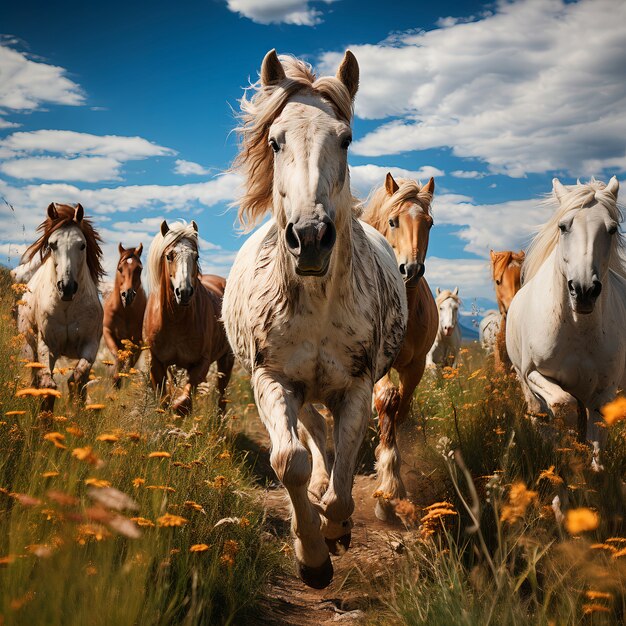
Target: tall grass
<point x="71" y="481"/>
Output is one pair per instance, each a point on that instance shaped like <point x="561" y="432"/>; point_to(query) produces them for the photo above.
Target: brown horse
<point x="124" y="310"/>
<point x="401" y="212"/>
<point x="506" y="268"/>
<point x="182" y="324"/>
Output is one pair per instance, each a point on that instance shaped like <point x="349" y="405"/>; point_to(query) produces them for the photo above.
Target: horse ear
<point x="522" y="255"/>
<point x="456" y="291"/>
<point x="139" y="250"/>
<point x="493" y="255"/>
<point x="121" y="249"/>
<point x="195" y="226"/>
<point x="428" y="188"/>
<point x="438" y="290"/>
<point x="348" y="73"/>
<point x="613" y="187"/>
<point x="559" y="189"/>
<point x="52" y="211"/>
<point x="79" y="213"/>
<point x="164" y="228"/>
<point x="272" y="71"/>
<point x="390" y="184"/>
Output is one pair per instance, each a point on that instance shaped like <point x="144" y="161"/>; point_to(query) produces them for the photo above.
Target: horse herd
<point x="326" y="297"/>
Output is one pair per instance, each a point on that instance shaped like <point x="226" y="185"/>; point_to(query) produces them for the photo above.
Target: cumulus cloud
<point x="26" y="84"/>
<point x="535" y="86"/>
<point x="296" y="12"/>
<point x="189" y="168"/>
<point x="467" y="174"/>
<point x="364" y="178"/>
<point x="87" y="169"/>
<point x="470" y="275"/>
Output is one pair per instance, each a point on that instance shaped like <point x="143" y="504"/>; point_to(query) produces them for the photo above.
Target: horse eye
<point x="82" y="247"/>
<point x="563" y="227"/>
<point x="52" y="246"/>
<point x="169" y="256"/>
<point x="274" y="145"/>
<point x="345" y="144"/>
<point x="497" y="282"/>
<point x="612" y="229"/>
<point x="392" y="223"/>
<point x="119" y="269"/>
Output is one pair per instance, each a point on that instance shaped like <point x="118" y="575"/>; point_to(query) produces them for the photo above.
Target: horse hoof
<point x="385" y="513"/>
<point x="182" y="408"/>
<point x="316" y="577"/>
<point x="339" y="545"/>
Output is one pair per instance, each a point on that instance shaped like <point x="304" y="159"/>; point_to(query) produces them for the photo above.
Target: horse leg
<point x="195" y="375"/>
<point x="278" y="406"/>
<point x="45" y="377"/>
<point x="158" y="379"/>
<point x="80" y="376"/>
<point x="312" y="432"/>
<point x="351" y="415"/>
<point x="562" y="404"/>
<point x="224" y="369"/>
<point x="114" y="349"/>
<point x="596" y="430"/>
<point x="387" y="402"/>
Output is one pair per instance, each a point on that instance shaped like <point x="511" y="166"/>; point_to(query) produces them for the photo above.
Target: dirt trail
<point x="376" y="546"/>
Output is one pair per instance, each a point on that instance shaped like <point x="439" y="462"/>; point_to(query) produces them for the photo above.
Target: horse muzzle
<point x="583" y="297"/>
<point x="311" y="243"/>
<point x="183" y="296"/>
<point x="127" y="297"/>
<point x="448" y="330"/>
<point x="411" y="272"/>
<point x="67" y="290"/>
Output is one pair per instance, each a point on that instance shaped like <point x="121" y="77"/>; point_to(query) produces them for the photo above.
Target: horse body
<point x="124" y="310"/>
<point x="401" y="212"/>
<point x="564" y="326"/>
<point x="445" y="348"/>
<point x="488" y="330"/>
<point x="62" y="314"/>
<point x="182" y="324"/>
<point x="314" y="306"/>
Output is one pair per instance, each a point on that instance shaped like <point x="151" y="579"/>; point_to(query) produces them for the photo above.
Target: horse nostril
<point x="421" y="268"/>
<point x="571" y="288"/>
<point x="177" y="291"/>
<point x="596" y="289"/>
<point x="59" y="285"/>
<point x="329" y="235"/>
<point x="190" y="292"/>
<point x="293" y="243"/>
<point x="402" y="269"/>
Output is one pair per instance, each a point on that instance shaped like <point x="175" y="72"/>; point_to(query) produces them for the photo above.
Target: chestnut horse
<point x="182" y="324"/>
<point x="123" y="311"/>
<point x="401" y="212"/>
<point x="506" y="269"/>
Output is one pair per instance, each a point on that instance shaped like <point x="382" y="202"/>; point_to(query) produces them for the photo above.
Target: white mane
<point x="579" y="197"/>
<point x="178" y="231"/>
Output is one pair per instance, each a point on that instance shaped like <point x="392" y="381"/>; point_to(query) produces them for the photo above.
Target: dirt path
<point x="376" y="546"/>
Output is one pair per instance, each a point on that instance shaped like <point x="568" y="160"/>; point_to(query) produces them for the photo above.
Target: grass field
<point x="120" y="513"/>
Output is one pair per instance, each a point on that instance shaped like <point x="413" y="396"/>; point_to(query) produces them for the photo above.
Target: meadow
<point x="120" y="512"/>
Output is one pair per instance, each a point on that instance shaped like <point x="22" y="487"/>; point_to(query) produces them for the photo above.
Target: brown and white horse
<point x="61" y="314"/>
<point x="506" y="269"/>
<point x="124" y="310"/>
<point x="182" y="324"/>
<point x="315" y="307"/>
<point x="401" y="212"/>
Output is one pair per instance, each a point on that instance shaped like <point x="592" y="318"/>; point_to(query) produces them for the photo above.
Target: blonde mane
<point x="444" y="294"/>
<point x="579" y="197"/>
<point x="381" y="206"/>
<point x="178" y="230"/>
<point x="255" y="160"/>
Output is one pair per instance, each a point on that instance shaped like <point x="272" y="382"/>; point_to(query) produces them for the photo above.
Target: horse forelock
<point x="381" y="206"/>
<point x="64" y="219"/>
<point x="446" y="294"/>
<point x="580" y="197"/>
<point x="255" y="160"/>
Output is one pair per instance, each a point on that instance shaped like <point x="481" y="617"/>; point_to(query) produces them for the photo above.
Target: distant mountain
<point x="469" y="332"/>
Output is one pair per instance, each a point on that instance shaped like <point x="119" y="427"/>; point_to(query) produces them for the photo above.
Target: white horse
<point x="445" y="350"/>
<point x="315" y="307"/>
<point x="565" y="329"/>
<point x="62" y="314"/>
<point x="488" y="330"/>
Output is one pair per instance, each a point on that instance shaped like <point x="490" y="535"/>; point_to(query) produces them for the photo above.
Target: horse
<point x="506" y="268"/>
<point x="124" y="309"/>
<point x="400" y="211"/>
<point x="565" y="326"/>
<point x="61" y="314"/>
<point x="182" y="324"/>
<point x="489" y="329"/>
<point x="445" y="348"/>
<point x="315" y="307"/>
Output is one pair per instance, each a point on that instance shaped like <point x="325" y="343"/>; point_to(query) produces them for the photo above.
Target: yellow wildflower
<point x="56" y="438"/>
<point x="519" y="499"/>
<point x="614" y="411"/>
<point x="159" y="455"/>
<point x="581" y="520"/>
<point x="97" y="482"/>
<point x="171" y="520"/>
<point x="108" y="437"/>
<point x="199" y="547"/>
<point x="142" y="521"/>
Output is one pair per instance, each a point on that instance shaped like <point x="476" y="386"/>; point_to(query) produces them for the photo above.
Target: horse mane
<point x="255" y="160"/>
<point x="381" y="206"/>
<point x="501" y="260"/>
<point x="580" y="197"/>
<point x="444" y="294"/>
<point x="157" y="276"/>
<point x="65" y="217"/>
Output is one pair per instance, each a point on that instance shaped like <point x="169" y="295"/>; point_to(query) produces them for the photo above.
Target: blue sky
<point x="127" y="108"/>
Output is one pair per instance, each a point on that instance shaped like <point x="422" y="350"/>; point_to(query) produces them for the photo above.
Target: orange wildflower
<point x="199" y="547"/>
<point x="162" y="488"/>
<point x="614" y="411"/>
<point x="34" y="365"/>
<point x="74" y="430"/>
<point x="159" y="455"/>
<point x="86" y="454"/>
<point x="49" y="474"/>
<point x="97" y="482"/>
<point x="108" y="437"/>
<point x="137" y="482"/>
<point x="169" y="520"/>
<point x="580" y="520"/>
<point x="35" y="393"/>
<point x="142" y="521"/>
<point x="12" y="413"/>
<point x="519" y="499"/>
<point x="190" y="504"/>
<point x="549" y="474"/>
<point x="56" y="438"/>
<point x="95" y="407"/>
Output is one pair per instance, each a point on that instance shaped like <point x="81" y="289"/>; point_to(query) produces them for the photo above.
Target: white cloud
<point x="364" y="178"/>
<point x="189" y="168"/>
<point x="26" y="85"/>
<point x="87" y="169"/>
<point x="537" y="86"/>
<point x="467" y="174"/>
<point x="296" y="12"/>
<point x="470" y="275"/>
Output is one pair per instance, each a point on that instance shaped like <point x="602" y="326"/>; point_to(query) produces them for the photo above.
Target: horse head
<point x="181" y="261"/>
<point x="448" y="303"/>
<point x="129" y="273"/>
<point x="506" y="269"/>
